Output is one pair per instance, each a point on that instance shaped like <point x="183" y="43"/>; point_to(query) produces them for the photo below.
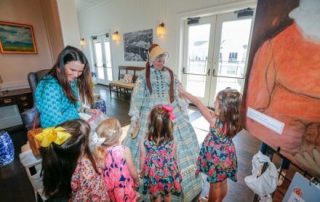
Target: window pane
<point x="195" y="85"/>
<point x="98" y="52"/>
<point x="198" y="48"/>
<point x="233" y="47"/>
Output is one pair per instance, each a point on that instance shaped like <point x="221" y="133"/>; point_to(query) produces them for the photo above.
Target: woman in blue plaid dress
<point x="158" y="86"/>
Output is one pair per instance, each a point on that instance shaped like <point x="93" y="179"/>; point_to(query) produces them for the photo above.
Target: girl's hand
<point x="182" y="91"/>
<point x="94" y="112"/>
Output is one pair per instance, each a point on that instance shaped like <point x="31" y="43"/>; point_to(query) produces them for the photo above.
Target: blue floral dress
<point x="161" y="174"/>
<point x="217" y="157"/>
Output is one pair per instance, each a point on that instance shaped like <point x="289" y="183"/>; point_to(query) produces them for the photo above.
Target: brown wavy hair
<point x="229" y="102"/>
<point x="160" y="126"/>
<point x="60" y="161"/>
<point x="84" y="81"/>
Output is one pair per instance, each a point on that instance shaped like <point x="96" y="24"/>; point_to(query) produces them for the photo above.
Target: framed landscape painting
<point x="17" y="38"/>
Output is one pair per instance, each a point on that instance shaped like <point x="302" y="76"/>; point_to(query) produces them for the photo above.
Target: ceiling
<point x="85" y="4"/>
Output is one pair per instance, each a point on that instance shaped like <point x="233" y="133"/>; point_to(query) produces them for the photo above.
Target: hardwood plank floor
<point x="15" y="186"/>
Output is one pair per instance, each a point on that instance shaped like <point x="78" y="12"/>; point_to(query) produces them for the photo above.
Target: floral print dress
<point x="117" y="177"/>
<point x="161" y="173"/>
<point x="86" y="184"/>
<point x="217" y="157"/>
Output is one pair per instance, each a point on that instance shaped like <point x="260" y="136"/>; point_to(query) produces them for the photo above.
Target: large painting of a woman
<point x="282" y="100"/>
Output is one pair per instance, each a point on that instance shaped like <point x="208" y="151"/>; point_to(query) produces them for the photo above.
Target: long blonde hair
<point x="110" y="129"/>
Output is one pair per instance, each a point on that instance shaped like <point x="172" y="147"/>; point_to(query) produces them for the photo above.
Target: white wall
<point x="69" y="22"/>
<point x="135" y="15"/>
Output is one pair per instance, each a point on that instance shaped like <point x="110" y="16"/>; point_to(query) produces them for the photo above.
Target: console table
<point x="12" y="103"/>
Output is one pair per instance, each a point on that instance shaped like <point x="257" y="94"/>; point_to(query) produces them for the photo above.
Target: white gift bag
<point x="264" y="183"/>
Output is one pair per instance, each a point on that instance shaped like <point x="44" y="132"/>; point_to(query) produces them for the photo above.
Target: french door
<point x="102" y="58"/>
<point x="215" y="54"/>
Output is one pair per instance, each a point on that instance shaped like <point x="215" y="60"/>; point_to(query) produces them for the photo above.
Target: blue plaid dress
<point x="186" y="140"/>
<point x="52" y="103"/>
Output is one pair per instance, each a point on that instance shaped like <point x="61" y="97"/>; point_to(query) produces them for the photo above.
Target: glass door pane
<point x="233" y="49"/>
<point x="107" y="51"/>
<point x="102" y="56"/>
<point x="197" y="63"/>
<point x="198" y="48"/>
<point x="99" y="60"/>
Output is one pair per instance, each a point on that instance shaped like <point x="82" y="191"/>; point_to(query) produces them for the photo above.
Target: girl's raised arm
<point x="207" y="113"/>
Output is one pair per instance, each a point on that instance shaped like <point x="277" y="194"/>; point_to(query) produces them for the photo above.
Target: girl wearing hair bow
<point x="70" y="172"/>
<point x="160" y="172"/>
<point x="159" y="86"/>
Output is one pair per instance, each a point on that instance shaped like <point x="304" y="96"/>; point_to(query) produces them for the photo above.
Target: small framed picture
<point x="17" y="38"/>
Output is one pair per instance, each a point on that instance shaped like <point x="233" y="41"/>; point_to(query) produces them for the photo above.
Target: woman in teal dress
<point x="159" y="86"/>
<point x="67" y="84"/>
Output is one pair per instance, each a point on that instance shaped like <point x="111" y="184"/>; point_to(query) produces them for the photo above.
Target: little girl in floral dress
<point x="120" y="174"/>
<point x="161" y="176"/>
<point x="217" y="158"/>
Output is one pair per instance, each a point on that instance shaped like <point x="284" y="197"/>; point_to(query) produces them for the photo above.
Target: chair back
<point x="34" y="78"/>
<point x="28" y="116"/>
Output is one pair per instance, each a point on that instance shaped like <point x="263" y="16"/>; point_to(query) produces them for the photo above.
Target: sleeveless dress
<point x="117" y="177"/>
<point x="161" y="173"/>
<point x="217" y="157"/>
<point x="86" y="184"/>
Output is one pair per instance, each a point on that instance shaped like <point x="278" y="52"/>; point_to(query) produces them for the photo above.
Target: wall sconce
<point x="82" y="42"/>
<point x="115" y="36"/>
<point x="161" y="30"/>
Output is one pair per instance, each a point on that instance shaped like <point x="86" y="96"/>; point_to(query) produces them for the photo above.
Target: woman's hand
<point x="135" y="129"/>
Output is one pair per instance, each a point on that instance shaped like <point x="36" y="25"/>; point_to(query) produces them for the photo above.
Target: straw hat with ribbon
<point x="154" y="52"/>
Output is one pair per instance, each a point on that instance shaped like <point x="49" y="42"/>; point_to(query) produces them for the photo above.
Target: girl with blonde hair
<point x="120" y="173"/>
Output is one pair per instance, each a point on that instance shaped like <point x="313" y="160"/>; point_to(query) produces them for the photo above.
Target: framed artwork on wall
<point x="17" y="38"/>
<point x="136" y="45"/>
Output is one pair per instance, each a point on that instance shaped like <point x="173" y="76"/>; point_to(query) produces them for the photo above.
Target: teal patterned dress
<point x="217" y="158"/>
<point x="53" y="104"/>
<point x="186" y="140"/>
<point x="161" y="173"/>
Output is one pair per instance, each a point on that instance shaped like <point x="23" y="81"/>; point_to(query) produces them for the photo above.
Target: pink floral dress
<point x="86" y="184"/>
<point x="217" y="157"/>
<point x="161" y="173"/>
<point x="117" y="177"/>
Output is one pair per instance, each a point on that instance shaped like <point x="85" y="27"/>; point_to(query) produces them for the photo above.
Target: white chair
<point x="33" y="168"/>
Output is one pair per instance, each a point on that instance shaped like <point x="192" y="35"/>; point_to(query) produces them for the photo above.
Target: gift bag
<point x="264" y="178"/>
<point x="33" y="142"/>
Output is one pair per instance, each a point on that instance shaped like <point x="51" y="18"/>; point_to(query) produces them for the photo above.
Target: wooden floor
<point x="15" y="186"/>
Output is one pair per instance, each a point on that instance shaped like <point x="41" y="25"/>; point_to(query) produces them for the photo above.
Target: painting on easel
<point x="282" y="97"/>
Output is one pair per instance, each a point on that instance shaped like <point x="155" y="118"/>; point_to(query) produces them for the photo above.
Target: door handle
<point x="208" y="72"/>
<point x="213" y="72"/>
